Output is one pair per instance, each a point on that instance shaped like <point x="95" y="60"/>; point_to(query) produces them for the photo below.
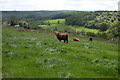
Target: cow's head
<point x="57" y="33"/>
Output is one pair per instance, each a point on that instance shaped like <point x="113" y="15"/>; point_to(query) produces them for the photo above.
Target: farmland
<point x="54" y="23"/>
<point x="30" y="48"/>
<point x="41" y="55"/>
<point x="86" y="29"/>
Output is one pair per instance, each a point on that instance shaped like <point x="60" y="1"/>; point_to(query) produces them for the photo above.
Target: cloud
<point x="93" y="4"/>
<point x="58" y="4"/>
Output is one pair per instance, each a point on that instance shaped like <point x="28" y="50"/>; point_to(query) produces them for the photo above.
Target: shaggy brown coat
<point x="76" y="39"/>
<point x="62" y="36"/>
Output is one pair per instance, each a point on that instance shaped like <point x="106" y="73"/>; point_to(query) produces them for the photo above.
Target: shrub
<point x="102" y="35"/>
<point x="103" y="26"/>
<point x="91" y="34"/>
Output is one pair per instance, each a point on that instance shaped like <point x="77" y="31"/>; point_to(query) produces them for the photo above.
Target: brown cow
<point x="90" y="38"/>
<point x="62" y="36"/>
<point x="76" y="39"/>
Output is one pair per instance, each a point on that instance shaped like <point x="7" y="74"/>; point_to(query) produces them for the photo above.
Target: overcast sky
<point x="58" y="5"/>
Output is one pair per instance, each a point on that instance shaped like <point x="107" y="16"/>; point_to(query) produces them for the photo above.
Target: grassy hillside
<point x="107" y="22"/>
<point x="55" y="21"/>
<point x="61" y="26"/>
<point x="41" y="55"/>
<point x="103" y="24"/>
<point x="86" y="29"/>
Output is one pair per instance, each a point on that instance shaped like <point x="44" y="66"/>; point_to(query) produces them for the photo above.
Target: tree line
<point x="107" y="22"/>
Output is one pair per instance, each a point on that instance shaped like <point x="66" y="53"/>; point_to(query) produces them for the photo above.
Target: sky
<point x="82" y="5"/>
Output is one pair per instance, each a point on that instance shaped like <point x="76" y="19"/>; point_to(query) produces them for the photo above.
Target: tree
<point x="24" y="24"/>
<point x="13" y="20"/>
<point x="21" y="24"/>
<point x="103" y="26"/>
<point x="58" y="22"/>
<point x="48" y="23"/>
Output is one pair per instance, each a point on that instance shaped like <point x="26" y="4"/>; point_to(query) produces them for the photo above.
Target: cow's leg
<point x="64" y="41"/>
<point x="91" y="39"/>
<point x="59" y="40"/>
<point x="67" y="40"/>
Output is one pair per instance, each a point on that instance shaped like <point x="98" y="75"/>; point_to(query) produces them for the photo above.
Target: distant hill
<point x="28" y="15"/>
<point x="107" y="22"/>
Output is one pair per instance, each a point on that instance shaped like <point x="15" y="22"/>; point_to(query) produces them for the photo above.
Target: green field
<point x="86" y="29"/>
<point x="54" y="23"/>
<point x="41" y="55"/>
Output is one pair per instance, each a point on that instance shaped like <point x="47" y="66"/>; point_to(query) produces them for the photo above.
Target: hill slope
<point x="41" y="55"/>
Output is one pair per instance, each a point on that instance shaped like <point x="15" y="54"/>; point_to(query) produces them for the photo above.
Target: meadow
<point x="86" y="29"/>
<point x="61" y="26"/>
<point x="41" y="55"/>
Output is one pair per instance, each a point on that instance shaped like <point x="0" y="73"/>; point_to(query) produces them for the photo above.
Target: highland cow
<point x="62" y="36"/>
<point x="76" y="39"/>
<point x="90" y="38"/>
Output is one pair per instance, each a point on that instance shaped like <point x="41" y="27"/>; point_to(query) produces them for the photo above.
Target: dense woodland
<point x="106" y="22"/>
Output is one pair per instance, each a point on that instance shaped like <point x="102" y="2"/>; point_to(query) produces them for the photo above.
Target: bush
<point x="90" y="34"/>
<point x="102" y="35"/>
<point x="103" y="26"/>
<point x="24" y="24"/>
<point x="81" y="33"/>
<point x="12" y="23"/>
<point x="13" y="20"/>
<point x="70" y="30"/>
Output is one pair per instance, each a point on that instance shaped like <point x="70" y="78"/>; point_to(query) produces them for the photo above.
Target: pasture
<point x="41" y="55"/>
<point x="55" y="21"/>
<point x="86" y="29"/>
<point x="61" y="26"/>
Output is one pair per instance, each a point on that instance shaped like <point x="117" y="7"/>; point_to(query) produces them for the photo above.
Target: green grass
<point x="44" y="26"/>
<point x="86" y="29"/>
<point x="41" y="55"/>
<point x="54" y="23"/>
